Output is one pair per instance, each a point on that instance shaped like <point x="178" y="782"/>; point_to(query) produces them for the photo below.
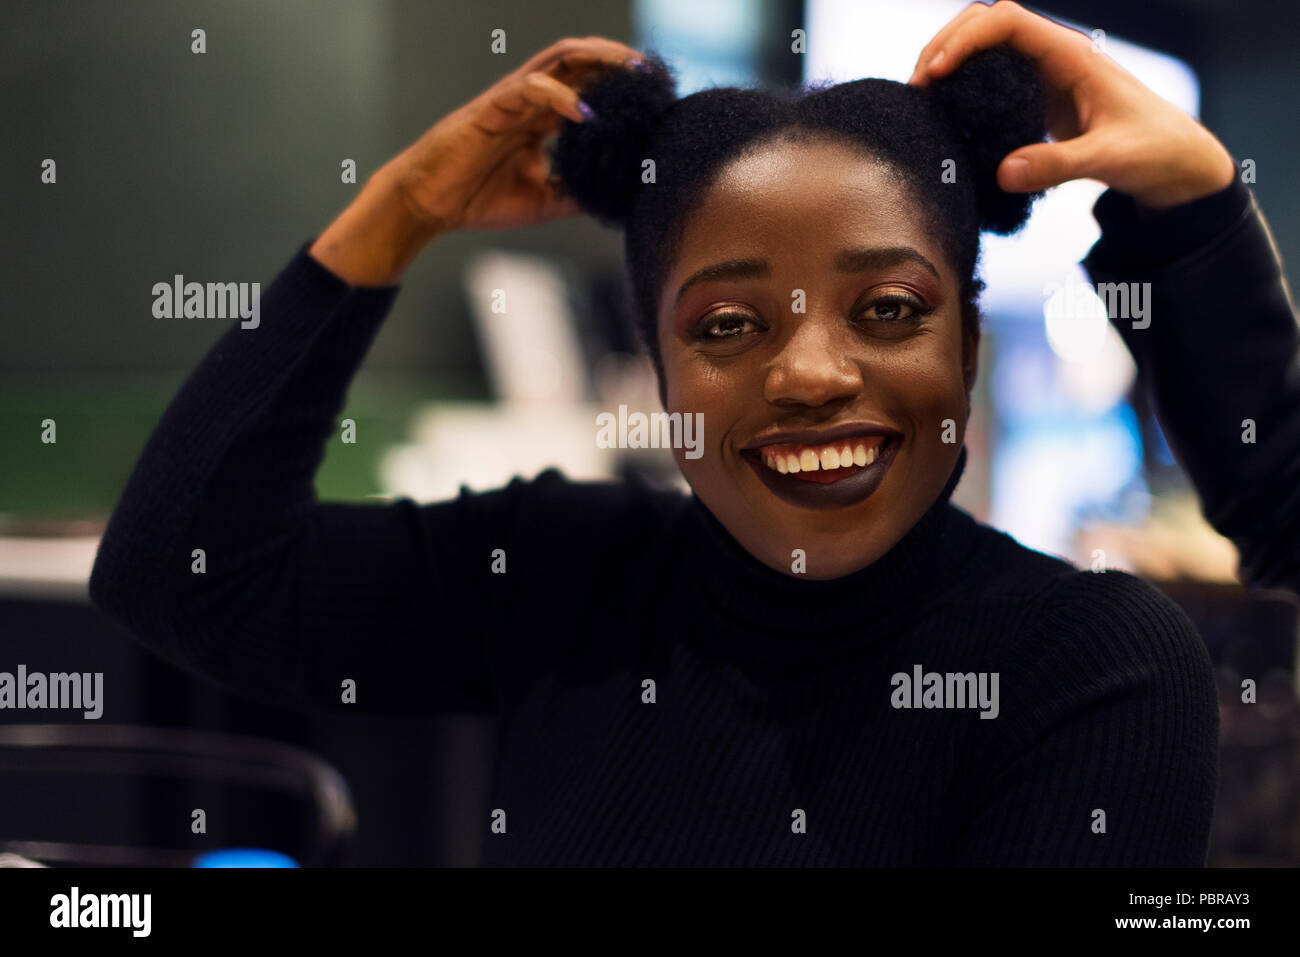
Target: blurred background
<point x="221" y="165"/>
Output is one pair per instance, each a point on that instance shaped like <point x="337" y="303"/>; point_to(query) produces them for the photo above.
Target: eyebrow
<point x="861" y="259"/>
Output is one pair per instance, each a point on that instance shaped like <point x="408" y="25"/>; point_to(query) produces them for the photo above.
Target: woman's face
<point x="814" y="324"/>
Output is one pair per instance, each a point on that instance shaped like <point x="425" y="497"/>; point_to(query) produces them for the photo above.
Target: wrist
<point x="1131" y="243"/>
<point x="1214" y="175"/>
<point x="378" y="235"/>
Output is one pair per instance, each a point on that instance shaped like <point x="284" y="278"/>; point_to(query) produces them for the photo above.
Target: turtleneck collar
<point x="832" y="611"/>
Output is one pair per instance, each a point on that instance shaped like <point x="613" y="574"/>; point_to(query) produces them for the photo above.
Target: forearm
<point x="1217" y="358"/>
<point x="379" y="234"/>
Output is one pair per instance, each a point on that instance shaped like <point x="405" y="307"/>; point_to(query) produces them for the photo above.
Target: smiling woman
<point x="814" y="658"/>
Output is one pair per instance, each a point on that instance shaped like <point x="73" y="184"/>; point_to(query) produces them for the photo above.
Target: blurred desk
<point x="47" y="568"/>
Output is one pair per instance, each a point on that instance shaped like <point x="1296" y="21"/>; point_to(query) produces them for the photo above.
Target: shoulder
<point x="562" y="509"/>
<point x="1081" y="618"/>
<point x="1118" y="605"/>
<point x="1102" y="667"/>
<point x="1111" y="639"/>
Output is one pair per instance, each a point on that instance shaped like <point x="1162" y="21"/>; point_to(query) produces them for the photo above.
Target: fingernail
<point x="586" y="111"/>
<point x="935" y="60"/>
<point x="1017" y="171"/>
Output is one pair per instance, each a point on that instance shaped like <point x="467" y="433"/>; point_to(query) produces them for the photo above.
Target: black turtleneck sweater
<point x="664" y="697"/>
<point x="1220" y="361"/>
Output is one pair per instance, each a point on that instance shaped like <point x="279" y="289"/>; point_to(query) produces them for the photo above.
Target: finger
<point x="1059" y="52"/>
<point x="944" y="35"/>
<point x="534" y="168"/>
<point x="579" y="53"/>
<point x="522" y="101"/>
<point x="553" y="203"/>
<point x="579" y="49"/>
<point x="1044" y="165"/>
<point x="573" y="68"/>
<point x="557" y="207"/>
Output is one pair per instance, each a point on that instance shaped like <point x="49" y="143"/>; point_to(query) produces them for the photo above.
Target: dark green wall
<point x="219" y="165"/>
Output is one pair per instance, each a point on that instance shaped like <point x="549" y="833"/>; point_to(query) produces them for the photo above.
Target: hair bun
<point x="599" y="161"/>
<point x="996" y="103"/>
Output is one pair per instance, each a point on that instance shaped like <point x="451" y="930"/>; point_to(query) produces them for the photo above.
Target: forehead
<point x="796" y="203"/>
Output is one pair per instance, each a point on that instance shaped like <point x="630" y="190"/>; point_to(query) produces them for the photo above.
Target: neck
<point x="824" y="610"/>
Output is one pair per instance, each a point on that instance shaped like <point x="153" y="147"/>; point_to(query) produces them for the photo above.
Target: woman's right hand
<point x="482" y="166"/>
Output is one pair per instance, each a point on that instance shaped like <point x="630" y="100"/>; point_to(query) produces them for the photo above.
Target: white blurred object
<point x="55" y="568"/>
<point x="1174" y="542"/>
<point x="485" y="445"/>
<point x="1045" y="477"/>
<point x="1098" y="383"/>
<point x="544" y="418"/>
<point x="1076" y="320"/>
<point x="531" y="349"/>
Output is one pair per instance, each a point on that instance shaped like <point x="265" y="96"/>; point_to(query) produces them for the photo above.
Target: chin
<point x="835" y="541"/>
<point x="856" y="541"/>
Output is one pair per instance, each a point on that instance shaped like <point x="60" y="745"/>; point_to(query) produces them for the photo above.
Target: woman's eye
<point x="725" y="326"/>
<point x="894" y="309"/>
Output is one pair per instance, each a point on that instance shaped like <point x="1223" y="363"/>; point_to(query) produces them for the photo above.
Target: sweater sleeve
<point x="1219" y="352"/>
<point x="1109" y="751"/>
<point x="220" y="559"/>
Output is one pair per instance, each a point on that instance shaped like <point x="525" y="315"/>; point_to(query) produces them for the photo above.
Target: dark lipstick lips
<point x="820" y="436"/>
<point x="817" y="495"/>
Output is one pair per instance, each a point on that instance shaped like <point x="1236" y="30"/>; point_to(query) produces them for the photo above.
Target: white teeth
<point x="825" y="458"/>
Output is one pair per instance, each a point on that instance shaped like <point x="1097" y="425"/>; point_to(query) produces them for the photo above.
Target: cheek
<point x="936" y="375"/>
<point x="942" y="409"/>
<point x="923" y="385"/>
<point x="695" y="385"/>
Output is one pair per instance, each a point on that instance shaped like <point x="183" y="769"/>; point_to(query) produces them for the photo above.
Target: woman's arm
<point x="219" y="558"/>
<point x="218" y="555"/>
<point x="1220" y="356"/>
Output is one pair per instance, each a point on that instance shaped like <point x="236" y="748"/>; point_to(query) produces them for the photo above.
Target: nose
<point x="813" y="366"/>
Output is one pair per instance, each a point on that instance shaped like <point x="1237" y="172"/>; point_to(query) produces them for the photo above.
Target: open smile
<point x="831" y="469"/>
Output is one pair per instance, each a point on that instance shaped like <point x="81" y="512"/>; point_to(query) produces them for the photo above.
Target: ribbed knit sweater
<point x="664" y="697"/>
<point x="1220" y="360"/>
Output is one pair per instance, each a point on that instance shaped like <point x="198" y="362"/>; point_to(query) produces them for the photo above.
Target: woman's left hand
<point x="1105" y="123"/>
